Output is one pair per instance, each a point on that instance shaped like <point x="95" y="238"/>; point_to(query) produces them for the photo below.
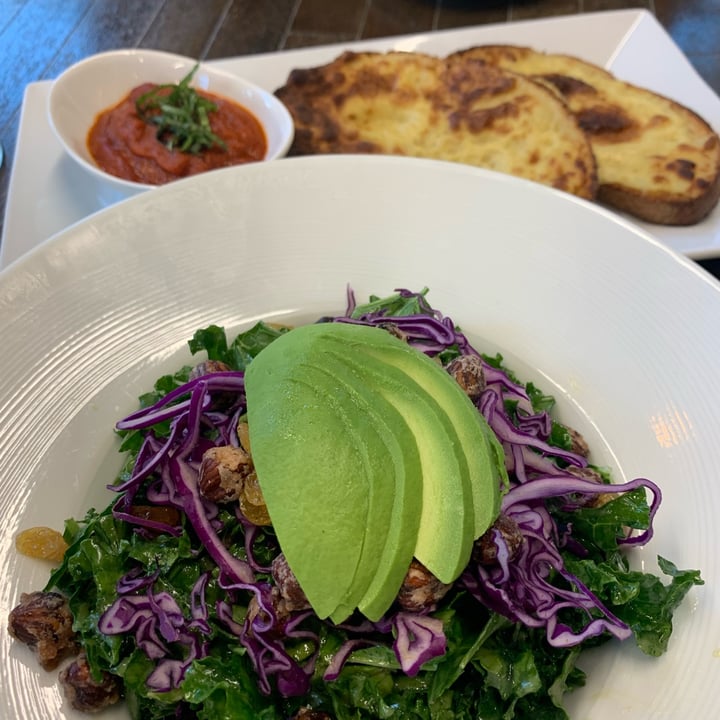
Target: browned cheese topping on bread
<point x="656" y="158"/>
<point x="458" y="110"/>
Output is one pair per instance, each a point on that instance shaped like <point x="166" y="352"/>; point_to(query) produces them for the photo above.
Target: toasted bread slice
<point x="457" y="110"/>
<point x="656" y="159"/>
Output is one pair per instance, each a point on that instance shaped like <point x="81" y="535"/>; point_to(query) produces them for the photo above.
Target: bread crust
<point x="657" y="159"/>
<point x="455" y="109"/>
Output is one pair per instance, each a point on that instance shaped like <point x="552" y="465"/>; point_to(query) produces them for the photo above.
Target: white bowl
<point x="623" y="332"/>
<point x="100" y="81"/>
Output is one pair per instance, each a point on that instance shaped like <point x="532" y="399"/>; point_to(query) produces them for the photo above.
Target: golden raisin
<point x="252" y="503"/>
<point x="243" y="433"/>
<point x="43" y="543"/>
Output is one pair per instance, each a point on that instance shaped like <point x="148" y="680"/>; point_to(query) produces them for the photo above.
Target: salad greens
<point x="180" y="605"/>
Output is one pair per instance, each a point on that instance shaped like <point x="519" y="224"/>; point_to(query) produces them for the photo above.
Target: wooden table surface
<point x="40" y="38"/>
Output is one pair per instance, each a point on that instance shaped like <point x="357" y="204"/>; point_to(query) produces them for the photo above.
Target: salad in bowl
<point x="363" y="517"/>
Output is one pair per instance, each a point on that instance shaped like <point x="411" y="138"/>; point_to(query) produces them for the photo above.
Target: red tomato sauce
<point x="124" y="145"/>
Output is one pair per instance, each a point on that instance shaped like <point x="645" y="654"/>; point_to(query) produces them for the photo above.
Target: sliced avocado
<point x="366" y="444"/>
<point x="482" y="449"/>
<point x="298" y="433"/>
<point x="381" y="462"/>
<point x="447" y="518"/>
<point x="393" y="518"/>
<point x="365" y="452"/>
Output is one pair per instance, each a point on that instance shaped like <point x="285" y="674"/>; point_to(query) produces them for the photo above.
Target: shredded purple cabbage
<point x="161" y="630"/>
<point x="264" y="633"/>
<point x="523" y="588"/>
<point x="418" y="638"/>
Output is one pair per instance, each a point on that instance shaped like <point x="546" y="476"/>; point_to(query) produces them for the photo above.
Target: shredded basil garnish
<point x="181" y="116"/>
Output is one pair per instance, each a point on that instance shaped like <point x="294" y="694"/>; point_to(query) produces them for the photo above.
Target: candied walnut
<point x="84" y="692"/>
<point x="597" y="501"/>
<point x="467" y="370"/>
<point x="222" y="399"/>
<point x="578" y="443"/>
<point x="274" y="611"/>
<point x="588" y="473"/>
<point x="394" y="330"/>
<point x="485" y="550"/>
<point x="43" y="621"/>
<point x="208" y="367"/>
<point x="585" y="473"/>
<point x="223" y="472"/>
<point x="42" y="543"/>
<point x="288" y="586"/>
<point x="420" y="589"/>
<point x="270" y="627"/>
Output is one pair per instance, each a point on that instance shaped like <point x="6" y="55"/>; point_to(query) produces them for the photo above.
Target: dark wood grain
<point x="387" y="17"/>
<point x="40" y="38"/>
<point x="460" y="13"/>
<point x="30" y="42"/>
<point x="180" y="28"/>
<point x="253" y="27"/>
<point x="329" y="17"/>
<point x="550" y="8"/>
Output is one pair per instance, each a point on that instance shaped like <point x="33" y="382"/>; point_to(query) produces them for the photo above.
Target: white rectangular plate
<point x="48" y="192"/>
